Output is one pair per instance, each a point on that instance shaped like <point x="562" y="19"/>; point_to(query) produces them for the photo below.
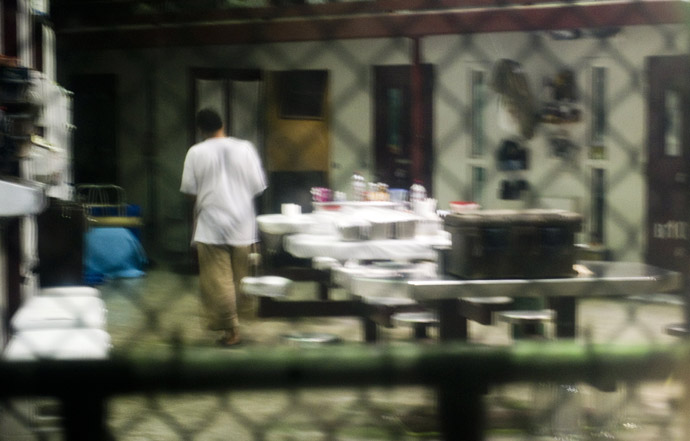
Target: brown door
<point x="669" y="162"/>
<point x="402" y="155"/>
<point x="297" y="141"/>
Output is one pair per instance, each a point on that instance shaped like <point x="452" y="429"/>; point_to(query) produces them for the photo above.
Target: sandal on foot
<point x="228" y="343"/>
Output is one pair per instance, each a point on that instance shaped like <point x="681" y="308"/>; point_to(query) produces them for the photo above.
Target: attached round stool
<point x="323" y="267"/>
<point x="310" y="339"/>
<point x="635" y="302"/>
<point x="265" y="286"/>
<point x="322" y="263"/>
<point x="420" y="321"/>
<point x="678" y="330"/>
<point x="483" y="309"/>
<point x="382" y="309"/>
<point x="528" y="322"/>
<point x="389" y="301"/>
<point x="379" y="311"/>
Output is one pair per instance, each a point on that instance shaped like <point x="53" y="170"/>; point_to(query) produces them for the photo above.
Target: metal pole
<point x="198" y="369"/>
<point x="84" y="417"/>
<point x="460" y="373"/>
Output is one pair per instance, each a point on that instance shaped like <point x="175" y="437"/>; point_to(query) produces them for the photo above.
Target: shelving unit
<point x="35" y="143"/>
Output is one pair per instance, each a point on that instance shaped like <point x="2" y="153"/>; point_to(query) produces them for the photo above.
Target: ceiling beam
<point x="299" y="24"/>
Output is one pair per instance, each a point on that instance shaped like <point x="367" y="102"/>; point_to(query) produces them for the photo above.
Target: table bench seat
<point x="528" y="322"/>
<point x="420" y="321"/>
<point x="266" y="286"/>
<point x="482" y="309"/>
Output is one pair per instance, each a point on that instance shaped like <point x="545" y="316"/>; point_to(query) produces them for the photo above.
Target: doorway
<point x="668" y="174"/>
<point x="297" y="146"/>
<point x="95" y="110"/>
<point x="403" y="156"/>
<point x="236" y="94"/>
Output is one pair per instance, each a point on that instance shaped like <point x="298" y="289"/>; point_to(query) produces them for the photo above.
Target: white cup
<point x="425" y="206"/>
<point x="290" y="209"/>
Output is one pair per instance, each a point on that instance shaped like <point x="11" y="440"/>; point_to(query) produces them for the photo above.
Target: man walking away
<point x="223" y="175"/>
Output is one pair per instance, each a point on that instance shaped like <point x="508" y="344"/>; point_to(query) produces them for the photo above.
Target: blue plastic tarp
<point x="112" y="252"/>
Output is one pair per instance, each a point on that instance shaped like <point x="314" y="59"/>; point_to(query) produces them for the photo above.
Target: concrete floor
<point x="151" y="312"/>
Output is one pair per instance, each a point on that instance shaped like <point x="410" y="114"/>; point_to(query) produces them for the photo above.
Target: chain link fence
<point x="583" y="70"/>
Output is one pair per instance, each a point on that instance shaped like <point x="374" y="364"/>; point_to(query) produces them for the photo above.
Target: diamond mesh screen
<point x="573" y="96"/>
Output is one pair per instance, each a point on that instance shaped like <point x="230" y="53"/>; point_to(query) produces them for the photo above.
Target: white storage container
<point x="60" y="313"/>
<point x="60" y="344"/>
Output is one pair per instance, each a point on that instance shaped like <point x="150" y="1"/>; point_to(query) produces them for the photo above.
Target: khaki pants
<point x="221" y="268"/>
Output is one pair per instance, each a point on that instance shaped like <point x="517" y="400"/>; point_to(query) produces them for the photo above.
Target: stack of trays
<point x="60" y="313"/>
<point x="60" y="322"/>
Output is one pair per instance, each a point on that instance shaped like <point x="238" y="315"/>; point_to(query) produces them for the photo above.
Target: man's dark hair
<point x="208" y="121"/>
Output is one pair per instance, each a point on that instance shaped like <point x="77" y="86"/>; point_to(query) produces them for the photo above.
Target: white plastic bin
<point x="71" y="343"/>
<point x="59" y="313"/>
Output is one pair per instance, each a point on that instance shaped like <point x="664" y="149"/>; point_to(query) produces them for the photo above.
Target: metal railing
<point x="460" y="374"/>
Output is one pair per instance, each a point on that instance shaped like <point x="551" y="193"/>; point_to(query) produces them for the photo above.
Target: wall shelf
<point x="21" y="198"/>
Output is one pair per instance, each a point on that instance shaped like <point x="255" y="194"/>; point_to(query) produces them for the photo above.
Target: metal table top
<point x="590" y="279"/>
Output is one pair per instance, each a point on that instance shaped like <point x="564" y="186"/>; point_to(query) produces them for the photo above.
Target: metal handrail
<point x="461" y="373"/>
<point x="198" y="369"/>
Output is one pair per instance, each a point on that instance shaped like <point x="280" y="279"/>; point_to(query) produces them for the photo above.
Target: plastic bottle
<point x="359" y="187"/>
<point x="417" y="192"/>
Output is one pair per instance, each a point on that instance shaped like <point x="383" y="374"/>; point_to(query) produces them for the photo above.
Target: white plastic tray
<point x="58" y="344"/>
<point x="59" y="313"/>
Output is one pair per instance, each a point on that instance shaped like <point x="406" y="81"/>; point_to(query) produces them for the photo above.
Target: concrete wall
<point x="566" y="180"/>
<point x="156" y="101"/>
<point x="155" y="97"/>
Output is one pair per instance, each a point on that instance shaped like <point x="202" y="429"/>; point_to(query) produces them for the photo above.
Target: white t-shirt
<point x="225" y="174"/>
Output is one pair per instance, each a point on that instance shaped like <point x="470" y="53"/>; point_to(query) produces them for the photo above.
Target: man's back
<point x="225" y="175"/>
